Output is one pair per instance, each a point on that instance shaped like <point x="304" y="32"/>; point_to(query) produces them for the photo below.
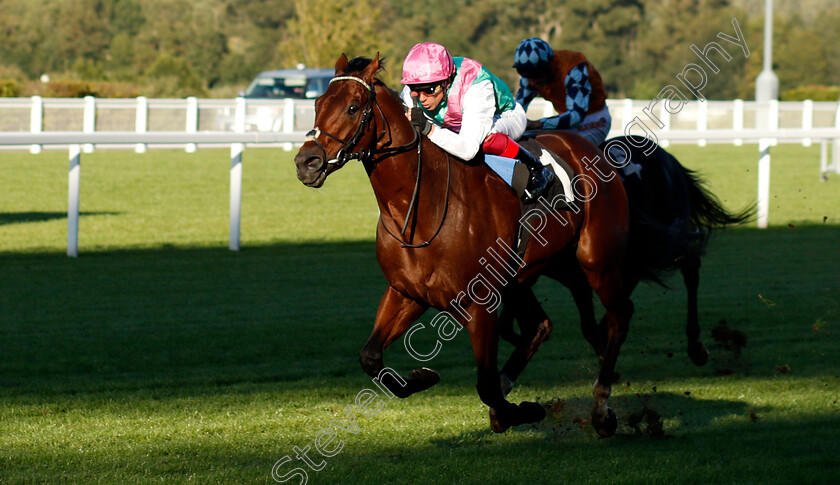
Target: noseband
<point x="346" y="153"/>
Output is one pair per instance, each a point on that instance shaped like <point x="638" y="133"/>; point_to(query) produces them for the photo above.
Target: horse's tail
<point x="707" y="213"/>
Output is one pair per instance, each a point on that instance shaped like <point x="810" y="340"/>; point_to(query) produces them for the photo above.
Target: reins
<point x="346" y="153"/>
<point x="405" y="244"/>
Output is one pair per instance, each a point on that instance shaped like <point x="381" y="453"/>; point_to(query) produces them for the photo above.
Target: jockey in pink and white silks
<point x="463" y="108"/>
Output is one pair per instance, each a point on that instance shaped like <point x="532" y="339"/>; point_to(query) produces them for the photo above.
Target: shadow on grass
<point x="787" y="450"/>
<point x="196" y="316"/>
<point x="136" y="318"/>
<point x="27" y="217"/>
<point x="137" y="327"/>
<point x="641" y="416"/>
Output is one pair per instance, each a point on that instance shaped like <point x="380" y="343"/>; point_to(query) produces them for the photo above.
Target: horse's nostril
<point x="314" y="163"/>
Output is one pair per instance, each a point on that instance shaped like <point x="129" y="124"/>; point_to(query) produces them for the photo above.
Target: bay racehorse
<point x="672" y="216"/>
<point x="445" y="231"/>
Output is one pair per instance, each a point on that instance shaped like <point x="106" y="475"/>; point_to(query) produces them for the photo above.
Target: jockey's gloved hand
<point x="419" y="120"/>
<point x="533" y="125"/>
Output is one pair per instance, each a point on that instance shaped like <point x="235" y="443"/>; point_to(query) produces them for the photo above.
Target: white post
<point x="738" y="119"/>
<point x="807" y="119"/>
<point x="235" y="194"/>
<point x="767" y="114"/>
<point x="763" y="205"/>
<point x="36" y="120"/>
<point x="89" y="121"/>
<point x="823" y="160"/>
<point x="767" y="82"/>
<point x="239" y="116"/>
<point x="141" y="121"/>
<point x="288" y="120"/>
<point x="73" y="202"/>
<point x="192" y="120"/>
<point x="236" y="176"/>
<point x="702" y="120"/>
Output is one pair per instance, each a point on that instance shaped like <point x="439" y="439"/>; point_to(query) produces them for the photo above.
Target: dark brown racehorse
<point x="672" y="216"/>
<point x="444" y="229"/>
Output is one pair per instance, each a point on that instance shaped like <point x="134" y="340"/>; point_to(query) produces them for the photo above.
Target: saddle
<point x="557" y="196"/>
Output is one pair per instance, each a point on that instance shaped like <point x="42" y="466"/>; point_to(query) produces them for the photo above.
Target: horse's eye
<point x="353" y="109"/>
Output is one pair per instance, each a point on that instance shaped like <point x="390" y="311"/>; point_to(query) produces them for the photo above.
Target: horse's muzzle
<point x="311" y="167"/>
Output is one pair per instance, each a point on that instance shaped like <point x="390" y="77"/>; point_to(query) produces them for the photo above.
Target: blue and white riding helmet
<point x="532" y="54"/>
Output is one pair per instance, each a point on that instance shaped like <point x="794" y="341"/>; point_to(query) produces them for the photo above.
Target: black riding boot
<point x="540" y="176"/>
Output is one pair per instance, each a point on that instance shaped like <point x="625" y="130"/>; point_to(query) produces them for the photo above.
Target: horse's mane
<point x="358" y="64"/>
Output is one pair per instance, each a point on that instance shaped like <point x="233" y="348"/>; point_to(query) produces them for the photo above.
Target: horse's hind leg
<point x="395" y="314"/>
<point x="691" y="276"/>
<point x="506" y="317"/>
<point x="535" y="327"/>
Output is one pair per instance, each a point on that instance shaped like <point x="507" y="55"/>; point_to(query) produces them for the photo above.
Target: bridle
<point x="346" y="153"/>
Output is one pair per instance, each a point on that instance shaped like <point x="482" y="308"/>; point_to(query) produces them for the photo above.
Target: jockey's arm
<point x="577" y="100"/>
<point x="479" y="104"/>
<point x="525" y="94"/>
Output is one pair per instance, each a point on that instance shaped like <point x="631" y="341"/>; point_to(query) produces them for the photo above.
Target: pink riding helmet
<point x="427" y="63"/>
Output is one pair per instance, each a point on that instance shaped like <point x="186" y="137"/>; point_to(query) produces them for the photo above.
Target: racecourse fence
<point x="83" y="125"/>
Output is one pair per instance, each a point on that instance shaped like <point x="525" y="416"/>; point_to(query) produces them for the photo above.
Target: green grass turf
<point x="158" y="356"/>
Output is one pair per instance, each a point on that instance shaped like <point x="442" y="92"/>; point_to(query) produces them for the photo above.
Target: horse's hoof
<point x="422" y="379"/>
<point x="531" y="412"/>
<point x="698" y="353"/>
<point x="609" y="425"/>
<point x="526" y="412"/>
<point x="495" y="424"/>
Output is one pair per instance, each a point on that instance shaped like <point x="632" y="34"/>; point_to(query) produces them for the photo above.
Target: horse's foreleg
<point x="395" y="314"/>
<point x="535" y="327"/>
<point x="691" y="276"/>
<point x="485" y="342"/>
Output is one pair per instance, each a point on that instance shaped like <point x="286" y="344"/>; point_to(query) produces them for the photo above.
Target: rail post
<point x="763" y="203"/>
<point x="141" y="121"/>
<point x="89" y="121"/>
<point x="192" y="121"/>
<point x="74" y="178"/>
<point x="36" y="120"/>
<point x="738" y="119"/>
<point x="236" y="150"/>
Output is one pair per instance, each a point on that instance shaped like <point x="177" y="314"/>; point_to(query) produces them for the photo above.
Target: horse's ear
<point x="341" y="65"/>
<point x="370" y="71"/>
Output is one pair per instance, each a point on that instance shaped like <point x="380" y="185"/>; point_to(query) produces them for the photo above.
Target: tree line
<point x="213" y="48"/>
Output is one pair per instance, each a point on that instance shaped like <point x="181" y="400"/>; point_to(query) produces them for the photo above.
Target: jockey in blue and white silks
<point x="569" y="82"/>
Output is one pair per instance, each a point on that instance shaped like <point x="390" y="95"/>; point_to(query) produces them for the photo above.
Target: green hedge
<point x="814" y="92"/>
<point x="80" y="89"/>
<point x="9" y="88"/>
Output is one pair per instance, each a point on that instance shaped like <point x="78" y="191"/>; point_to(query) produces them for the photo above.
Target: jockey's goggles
<point x="428" y="90"/>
